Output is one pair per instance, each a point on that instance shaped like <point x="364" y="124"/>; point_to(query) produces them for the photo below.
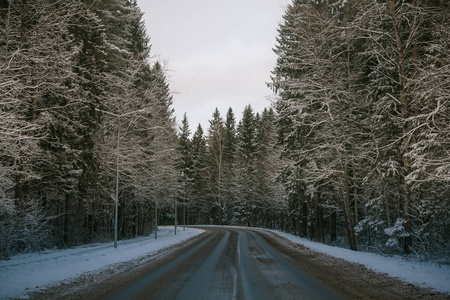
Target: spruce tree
<point x="247" y="201"/>
<point x="229" y="163"/>
<point x="198" y="205"/>
<point x="216" y="141"/>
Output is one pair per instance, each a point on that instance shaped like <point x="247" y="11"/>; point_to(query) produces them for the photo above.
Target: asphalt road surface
<point x="228" y="263"/>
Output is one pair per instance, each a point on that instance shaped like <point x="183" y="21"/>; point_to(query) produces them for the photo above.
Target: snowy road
<point x="221" y="263"/>
<point x="228" y="264"/>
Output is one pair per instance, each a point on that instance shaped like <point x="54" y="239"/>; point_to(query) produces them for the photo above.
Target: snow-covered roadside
<point x="28" y="272"/>
<point x="31" y="271"/>
<point x="427" y="275"/>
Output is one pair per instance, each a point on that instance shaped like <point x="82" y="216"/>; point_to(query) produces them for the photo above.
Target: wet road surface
<point x="228" y="263"/>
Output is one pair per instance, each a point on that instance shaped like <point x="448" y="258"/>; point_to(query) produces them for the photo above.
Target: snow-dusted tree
<point x="199" y="205"/>
<point x="400" y="39"/>
<point x="355" y="106"/>
<point x="229" y="161"/>
<point x="293" y="49"/>
<point x="139" y="93"/>
<point x="247" y="200"/>
<point x="429" y="154"/>
<point x="315" y="79"/>
<point x="185" y="148"/>
<point x="216" y="142"/>
<point x="230" y="147"/>
<point x="185" y="163"/>
<point x="41" y="58"/>
<point x="165" y="140"/>
<point x="63" y="62"/>
<point x="270" y="192"/>
<point x="431" y="54"/>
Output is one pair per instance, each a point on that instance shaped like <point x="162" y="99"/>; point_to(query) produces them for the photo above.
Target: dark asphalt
<point x="228" y="264"/>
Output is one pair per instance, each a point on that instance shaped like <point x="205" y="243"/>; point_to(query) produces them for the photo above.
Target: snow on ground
<point x="423" y="274"/>
<point x="31" y="271"/>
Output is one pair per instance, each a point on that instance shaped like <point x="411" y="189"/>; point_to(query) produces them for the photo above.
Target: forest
<point x="354" y="152"/>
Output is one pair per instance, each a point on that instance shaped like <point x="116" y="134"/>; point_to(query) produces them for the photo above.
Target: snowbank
<point x="31" y="271"/>
<point x="429" y="275"/>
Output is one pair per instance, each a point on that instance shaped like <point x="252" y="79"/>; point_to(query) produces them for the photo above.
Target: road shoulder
<point x="352" y="280"/>
<point x="101" y="283"/>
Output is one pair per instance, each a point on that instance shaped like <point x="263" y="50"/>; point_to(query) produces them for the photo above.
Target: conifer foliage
<point x="76" y="82"/>
<point x="233" y="170"/>
<point x="363" y="122"/>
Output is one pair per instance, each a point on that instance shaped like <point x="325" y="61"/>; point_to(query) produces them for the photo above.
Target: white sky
<point x="218" y="53"/>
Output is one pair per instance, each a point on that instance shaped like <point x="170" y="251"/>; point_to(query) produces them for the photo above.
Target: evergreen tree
<point x="216" y="142"/>
<point x="270" y="192"/>
<point x="185" y="163"/>
<point x="199" y="205"/>
<point x="230" y="150"/>
<point x="185" y="148"/>
<point x="230" y="147"/>
<point x="63" y="66"/>
<point x="398" y="99"/>
<point x="246" y="181"/>
<point x="349" y="98"/>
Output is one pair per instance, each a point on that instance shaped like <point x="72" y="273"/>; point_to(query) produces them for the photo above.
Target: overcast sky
<point x="218" y="53"/>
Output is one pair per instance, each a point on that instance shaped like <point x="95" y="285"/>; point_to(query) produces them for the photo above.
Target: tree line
<point x="228" y="173"/>
<point x="363" y="121"/>
<point x="76" y="82"/>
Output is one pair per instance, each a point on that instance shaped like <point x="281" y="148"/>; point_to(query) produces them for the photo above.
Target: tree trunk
<point x="319" y="221"/>
<point x="404" y="102"/>
<point x="304" y="220"/>
<point x="66" y="219"/>
<point x="387" y="206"/>
<point x="348" y="222"/>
